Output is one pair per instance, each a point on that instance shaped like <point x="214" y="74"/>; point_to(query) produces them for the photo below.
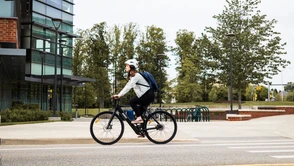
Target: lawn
<point x="93" y="111"/>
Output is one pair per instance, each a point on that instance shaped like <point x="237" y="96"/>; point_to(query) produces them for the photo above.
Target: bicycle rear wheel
<point x="103" y="134"/>
<point x="161" y="127"/>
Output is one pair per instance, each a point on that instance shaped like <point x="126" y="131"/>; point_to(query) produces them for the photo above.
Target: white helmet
<point x="132" y="62"/>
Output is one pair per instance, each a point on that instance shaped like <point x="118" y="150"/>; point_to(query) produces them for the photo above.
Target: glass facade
<point x="6" y="8"/>
<point x="40" y="38"/>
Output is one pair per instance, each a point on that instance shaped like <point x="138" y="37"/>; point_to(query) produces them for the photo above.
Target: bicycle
<point x="107" y="127"/>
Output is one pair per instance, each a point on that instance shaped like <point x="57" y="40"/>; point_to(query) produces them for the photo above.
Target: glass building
<point x="29" y="44"/>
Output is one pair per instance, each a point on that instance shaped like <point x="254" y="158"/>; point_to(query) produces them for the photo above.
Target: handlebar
<point x="115" y="101"/>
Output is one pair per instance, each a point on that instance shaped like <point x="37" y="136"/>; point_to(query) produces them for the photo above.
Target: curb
<point x="78" y="141"/>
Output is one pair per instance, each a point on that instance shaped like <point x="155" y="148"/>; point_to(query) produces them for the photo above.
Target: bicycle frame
<point x="122" y="115"/>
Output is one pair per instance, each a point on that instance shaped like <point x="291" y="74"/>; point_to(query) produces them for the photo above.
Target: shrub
<point x="22" y="115"/>
<point x="65" y="116"/>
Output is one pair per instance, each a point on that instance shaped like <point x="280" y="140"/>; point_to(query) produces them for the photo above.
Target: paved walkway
<point x="78" y="131"/>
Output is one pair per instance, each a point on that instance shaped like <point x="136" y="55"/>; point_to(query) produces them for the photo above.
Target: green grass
<point x="94" y="111"/>
<point x="213" y="104"/>
<point x="89" y="111"/>
<point x="29" y="122"/>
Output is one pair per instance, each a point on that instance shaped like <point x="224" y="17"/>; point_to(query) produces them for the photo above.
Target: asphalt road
<point x="267" y="150"/>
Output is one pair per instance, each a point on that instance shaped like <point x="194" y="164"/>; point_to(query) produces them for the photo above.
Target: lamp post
<point x="85" y="101"/>
<point x="42" y="55"/>
<point x="160" y="88"/>
<point x="56" y="24"/>
<point x="61" y="72"/>
<point x="231" y="35"/>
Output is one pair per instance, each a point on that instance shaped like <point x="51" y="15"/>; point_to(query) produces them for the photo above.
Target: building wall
<point x="8" y="32"/>
<point x="27" y="24"/>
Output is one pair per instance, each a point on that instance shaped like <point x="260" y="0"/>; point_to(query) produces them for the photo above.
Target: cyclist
<point x="144" y="95"/>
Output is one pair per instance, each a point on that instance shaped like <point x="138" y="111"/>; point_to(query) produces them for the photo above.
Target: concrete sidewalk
<point x="78" y="131"/>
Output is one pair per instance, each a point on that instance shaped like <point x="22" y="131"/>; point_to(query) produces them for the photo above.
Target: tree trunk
<point x="229" y="95"/>
<point x="239" y="99"/>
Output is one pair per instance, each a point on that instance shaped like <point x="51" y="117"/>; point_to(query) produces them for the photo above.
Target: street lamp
<point x="231" y="35"/>
<point x="160" y="91"/>
<point x="42" y="55"/>
<point x="85" y="100"/>
<point x="61" y="71"/>
<point x="56" y="24"/>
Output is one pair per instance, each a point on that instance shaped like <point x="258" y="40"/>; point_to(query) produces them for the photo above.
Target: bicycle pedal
<point x="141" y="136"/>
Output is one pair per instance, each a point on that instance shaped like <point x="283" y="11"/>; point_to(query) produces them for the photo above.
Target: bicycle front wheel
<point x="161" y="127"/>
<point x="106" y="134"/>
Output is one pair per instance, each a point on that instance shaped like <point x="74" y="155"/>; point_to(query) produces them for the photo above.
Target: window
<point x="53" y="13"/>
<point x="67" y="18"/>
<point x="39" y="7"/>
<point x="39" y="18"/>
<point x="39" y="32"/>
<point x="67" y="28"/>
<point x="6" y="8"/>
<point x="55" y="3"/>
<point x="67" y="7"/>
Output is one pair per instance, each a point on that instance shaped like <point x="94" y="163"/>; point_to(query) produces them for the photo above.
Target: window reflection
<point x="67" y="7"/>
<point x="6" y="8"/>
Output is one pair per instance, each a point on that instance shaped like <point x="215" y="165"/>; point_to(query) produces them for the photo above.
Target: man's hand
<point x="115" y="96"/>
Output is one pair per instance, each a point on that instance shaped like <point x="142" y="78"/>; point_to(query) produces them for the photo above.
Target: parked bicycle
<point x="107" y="127"/>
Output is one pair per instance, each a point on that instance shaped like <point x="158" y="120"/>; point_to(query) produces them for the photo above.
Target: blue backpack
<point x="150" y="79"/>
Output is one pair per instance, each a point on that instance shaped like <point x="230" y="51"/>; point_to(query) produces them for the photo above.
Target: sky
<point x="193" y="15"/>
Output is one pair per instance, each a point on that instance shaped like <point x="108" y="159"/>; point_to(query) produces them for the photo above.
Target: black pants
<point x="143" y="101"/>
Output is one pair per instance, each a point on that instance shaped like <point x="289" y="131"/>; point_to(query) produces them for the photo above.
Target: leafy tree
<point x="78" y="63"/>
<point x="289" y="87"/>
<point x="98" y="62"/>
<point x="127" y="51"/>
<point x="250" y="92"/>
<point x="151" y="55"/>
<point x="278" y="97"/>
<point x="256" y="46"/>
<point x="114" y="39"/>
<point x="218" y="93"/>
<point x="206" y="50"/>
<point x="290" y="96"/>
<point x="262" y="93"/>
<point x="188" y="88"/>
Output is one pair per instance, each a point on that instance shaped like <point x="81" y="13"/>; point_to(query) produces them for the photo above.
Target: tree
<point x="206" y="50"/>
<point x="151" y="55"/>
<point x="114" y="39"/>
<point x="187" y="88"/>
<point x="250" y="92"/>
<point x="257" y="46"/>
<point x="127" y="51"/>
<point x="289" y="87"/>
<point x="98" y="62"/>
<point x="78" y="63"/>
<point x="261" y="93"/>
<point x="218" y="93"/>
<point x="199" y="53"/>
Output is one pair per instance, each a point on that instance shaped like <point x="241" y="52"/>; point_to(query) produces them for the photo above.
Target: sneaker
<point x="138" y="120"/>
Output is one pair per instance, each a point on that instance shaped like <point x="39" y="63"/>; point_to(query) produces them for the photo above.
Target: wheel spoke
<point x="165" y="133"/>
<point x="101" y="133"/>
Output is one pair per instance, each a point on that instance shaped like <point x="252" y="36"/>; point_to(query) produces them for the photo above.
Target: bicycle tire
<point x="166" y="129"/>
<point x="101" y="134"/>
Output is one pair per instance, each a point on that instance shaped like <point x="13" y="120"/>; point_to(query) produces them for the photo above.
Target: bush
<point x="21" y="105"/>
<point x="24" y="115"/>
<point x="65" y="116"/>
